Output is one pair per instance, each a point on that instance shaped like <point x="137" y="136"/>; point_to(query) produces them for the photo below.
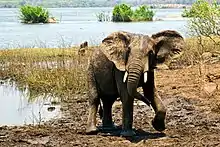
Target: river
<point x="77" y="25"/>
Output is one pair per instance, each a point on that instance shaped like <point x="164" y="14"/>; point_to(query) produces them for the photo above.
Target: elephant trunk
<point x="134" y="74"/>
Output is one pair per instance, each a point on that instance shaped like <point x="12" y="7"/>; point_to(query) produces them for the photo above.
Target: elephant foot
<point x="127" y="133"/>
<point x="92" y="130"/>
<point x="111" y="127"/>
<point x="159" y="121"/>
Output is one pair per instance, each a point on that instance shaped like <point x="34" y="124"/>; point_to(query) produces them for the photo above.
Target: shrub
<point x="143" y="13"/>
<point x="122" y="13"/>
<point x="204" y="19"/>
<point x="201" y="8"/>
<point x="33" y="14"/>
<point x="204" y="29"/>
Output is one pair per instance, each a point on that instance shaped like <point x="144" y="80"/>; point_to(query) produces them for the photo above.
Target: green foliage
<point x="122" y="13"/>
<point x="143" y="13"/>
<point x="201" y="8"/>
<point x="33" y="14"/>
<point x="204" y="24"/>
<point x="204" y="19"/>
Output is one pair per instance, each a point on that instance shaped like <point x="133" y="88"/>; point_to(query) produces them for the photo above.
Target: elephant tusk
<point x="125" y="77"/>
<point x="146" y="69"/>
<point x="145" y="77"/>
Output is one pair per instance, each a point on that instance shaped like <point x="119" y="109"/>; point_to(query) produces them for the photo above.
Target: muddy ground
<point x="193" y="117"/>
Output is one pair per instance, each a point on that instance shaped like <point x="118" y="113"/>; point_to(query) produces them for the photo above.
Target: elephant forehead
<point x="142" y="42"/>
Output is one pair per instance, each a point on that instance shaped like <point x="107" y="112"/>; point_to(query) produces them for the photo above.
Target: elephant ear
<point x="116" y="48"/>
<point x="168" y="44"/>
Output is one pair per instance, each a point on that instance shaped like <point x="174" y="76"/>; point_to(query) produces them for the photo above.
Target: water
<point x="77" y="25"/>
<point x="16" y="108"/>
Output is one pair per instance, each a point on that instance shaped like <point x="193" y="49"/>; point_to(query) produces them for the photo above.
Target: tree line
<point x="89" y="3"/>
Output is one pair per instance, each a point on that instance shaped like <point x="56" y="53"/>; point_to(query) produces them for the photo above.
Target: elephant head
<point x="136" y="53"/>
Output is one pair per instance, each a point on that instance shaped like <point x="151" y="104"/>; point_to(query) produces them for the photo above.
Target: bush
<point x="201" y="8"/>
<point x="143" y="13"/>
<point x="204" y="19"/>
<point x="204" y="28"/>
<point x="33" y="14"/>
<point x="122" y="13"/>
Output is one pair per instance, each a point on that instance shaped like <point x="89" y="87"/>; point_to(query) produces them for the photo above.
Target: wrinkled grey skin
<point x="137" y="55"/>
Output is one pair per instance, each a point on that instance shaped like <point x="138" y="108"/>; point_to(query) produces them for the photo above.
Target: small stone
<point x="210" y="88"/>
<point x="174" y="87"/>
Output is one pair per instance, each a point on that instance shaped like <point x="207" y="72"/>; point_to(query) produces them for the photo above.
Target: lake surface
<point x="77" y="25"/>
<point x="16" y="108"/>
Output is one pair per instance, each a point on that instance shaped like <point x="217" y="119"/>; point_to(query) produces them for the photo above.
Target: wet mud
<point x="193" y="117"/>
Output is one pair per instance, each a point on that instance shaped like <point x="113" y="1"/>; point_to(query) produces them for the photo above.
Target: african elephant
<point x="123" y="62"/>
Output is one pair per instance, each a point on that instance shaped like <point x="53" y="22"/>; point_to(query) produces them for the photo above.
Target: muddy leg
<point x="127" y="106"/>
<point x="94" y="101"/>
<point x="107" y="114"/>
<point x="151" y="93"/>
<point x="127" y="114"/>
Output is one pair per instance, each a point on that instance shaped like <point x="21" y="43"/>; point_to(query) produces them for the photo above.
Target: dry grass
<point x="195" y="48"/>
<point x="56" y="72"/>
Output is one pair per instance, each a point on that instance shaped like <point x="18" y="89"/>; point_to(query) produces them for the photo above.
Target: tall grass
<point x="55" y="72"/>
<point x="195" y="48"/>
<point x="103" y="16"/>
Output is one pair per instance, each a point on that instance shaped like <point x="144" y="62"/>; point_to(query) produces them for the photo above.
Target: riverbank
<point x="186" y="88"/>
<point x="193" y="117"/>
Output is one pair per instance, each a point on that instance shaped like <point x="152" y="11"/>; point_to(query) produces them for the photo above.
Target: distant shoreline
<point x="153" y="6"/>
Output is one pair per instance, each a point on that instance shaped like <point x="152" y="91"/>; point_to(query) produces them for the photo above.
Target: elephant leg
<point x="127" y="114"/>
<point x="94" y="102"/>
<point x="127" y="106"/>
<point x="151" y="93"/>
<point x="107" y="114"/>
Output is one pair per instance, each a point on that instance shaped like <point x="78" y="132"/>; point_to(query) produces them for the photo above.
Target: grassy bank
<point x="62" y="72"/>
<point x="57" y="72"/>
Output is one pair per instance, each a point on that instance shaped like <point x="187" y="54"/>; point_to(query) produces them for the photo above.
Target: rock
<point x="52" y="20"/>
<point x="38" y="141"/>
<point x="206" y="55"/>
<point x="210" y="88"/>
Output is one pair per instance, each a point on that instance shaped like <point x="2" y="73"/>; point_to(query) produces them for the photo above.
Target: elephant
<point x="123" y="62"/>
<point x="82" y="48"/>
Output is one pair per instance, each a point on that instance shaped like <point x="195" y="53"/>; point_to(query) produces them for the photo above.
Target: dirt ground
<point x="193" y="117"/>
